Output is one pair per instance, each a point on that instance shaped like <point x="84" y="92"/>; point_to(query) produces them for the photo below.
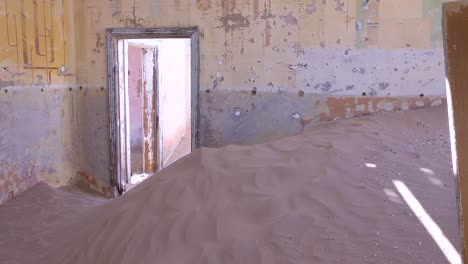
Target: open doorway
<point x="153" y="93"/>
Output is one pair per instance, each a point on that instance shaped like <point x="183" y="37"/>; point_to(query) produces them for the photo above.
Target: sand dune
<point x="325" y="196"/>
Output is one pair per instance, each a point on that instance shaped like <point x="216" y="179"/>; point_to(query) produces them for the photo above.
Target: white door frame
<point x="118" y="106"/>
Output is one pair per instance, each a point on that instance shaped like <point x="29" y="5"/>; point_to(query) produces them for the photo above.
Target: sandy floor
<point x="331" y="195"/>
<point x="29" y="222"/>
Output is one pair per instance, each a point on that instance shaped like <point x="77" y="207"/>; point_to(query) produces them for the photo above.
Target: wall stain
<point x="311" y="7"/>
<point x="4" y="84"/>
<point x="99" y="43"/>
<point x="203" y="5"/>
<point x="116" y="6"/>
<point x="340" y="5"/>
<point x="298" y="49"/>
<point x="256" y="12"/>
<point x="232" y="22"/>
<point x="376" y="87"/>
<point x="267" y="11"/>
<point x="133" y="20"/>
<point x="290" y="20"/>
<point x="216" y="81"/>
<point x="18" y="177"/>
<point x="267" y="39"/>
<point x="92" y="183"/>
<point x="324" y="87"/>
<point x="359" y="70"/>
<point x="340" y="108"/>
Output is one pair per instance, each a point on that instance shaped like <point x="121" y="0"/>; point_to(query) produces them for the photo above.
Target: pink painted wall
<point x="135" y="92"/>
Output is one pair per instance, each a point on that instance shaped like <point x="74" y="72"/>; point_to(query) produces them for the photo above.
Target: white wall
<point x="188" y="89"/>
<point x="173" y="95"/>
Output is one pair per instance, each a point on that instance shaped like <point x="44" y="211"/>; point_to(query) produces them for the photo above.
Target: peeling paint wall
<point x="37" y="46"/>
<point x="36" y="143"/>
<point x="46" y="135"/>
<point x="46" y="118"/>
<point x="308" y="51"/>
<point x="267" y="67"/>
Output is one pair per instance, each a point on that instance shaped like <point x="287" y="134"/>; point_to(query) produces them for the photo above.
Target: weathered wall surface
<point x="261" y="62"/>
<point x="38" y="42"/>
<point x="37" y="113"/>
<point x="47" y="120"/>
<point x="316" y="53"/>
<point x="38" y="139"/>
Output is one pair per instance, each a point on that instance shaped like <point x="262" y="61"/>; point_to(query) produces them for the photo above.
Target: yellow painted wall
<point x="42" y="35"/>
<point x="264" y="36"/>
<point x="42" y="109"/>
<point x="37" y="40"/>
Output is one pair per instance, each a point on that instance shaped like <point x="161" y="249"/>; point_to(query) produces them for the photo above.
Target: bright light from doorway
<point x="432" y="228"/>
<point x="427" y="171"/>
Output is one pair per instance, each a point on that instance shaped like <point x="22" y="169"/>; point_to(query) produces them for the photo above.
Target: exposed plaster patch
<point x="294" y="67"/>
<point x="323" y="87"/>
<point x="133" y="20"/>
<point x="99" y="43"/>
<point x="252" y="75"/>
<point x="94" y="184"/>
<point x="340" y="5"/>
<point x="216" y="80"/>
<point x="437" y="102"/>
<point x="203" y="5"/>
<point x="383" y="85"/>
<point x="255" y="9"/>
<point x="376" y="87"/>
<point x="384" y="105"/>
<point x="298" y="49"/>
<point x="4" y="84"/>
<point x="18" y="177"/>
<point x="359" y="70"/>
<point x="267" y="37"/>
<point x="234" y="21"/>
<point x="267" y="11"/>
<point x="360" y="108"/>
<point x="311" y="7"/>
<point x="290" y="20"/>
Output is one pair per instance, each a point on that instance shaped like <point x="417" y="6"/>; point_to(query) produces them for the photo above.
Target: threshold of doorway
<point x="138" y="178"/>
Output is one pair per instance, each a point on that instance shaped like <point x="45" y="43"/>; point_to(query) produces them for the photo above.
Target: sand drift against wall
<point x="326" y="196"/>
